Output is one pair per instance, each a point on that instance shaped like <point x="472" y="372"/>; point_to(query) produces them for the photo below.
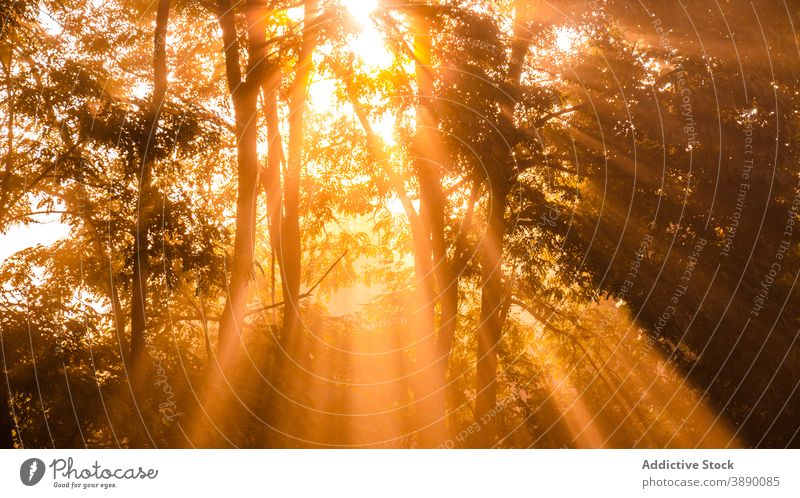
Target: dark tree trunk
<point x="447" y="288"/>
<point x="241" y="264"/>
<point x="245" y="104"/>
<point x="492" y="290"/>
<point x="139" y="296"/>
<point x="245" y="99"/>
<point x="7" y="424"/>
<point x="490" y="325"/>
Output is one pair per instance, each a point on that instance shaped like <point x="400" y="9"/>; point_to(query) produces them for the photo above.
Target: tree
<point x="244" y="94"/>
<point x="145" y="203"/>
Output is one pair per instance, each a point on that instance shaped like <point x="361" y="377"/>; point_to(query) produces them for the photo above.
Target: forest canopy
<point x="383" y="223"/>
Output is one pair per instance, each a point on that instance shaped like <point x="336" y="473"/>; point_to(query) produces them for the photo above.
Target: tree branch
<point x="303" y="295"/>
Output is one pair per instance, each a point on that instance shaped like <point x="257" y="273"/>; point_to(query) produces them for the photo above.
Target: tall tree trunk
<point x="490" y="326"/>
<point x="291" y="250"/>
<point x="145" y="201"/>
<point x="447" y="289"/>
<point x="219" y="403"/>
<point x="244" y="94"/>
<point x="430" y="252"/>
<point x="271" y="179"/>
<point x="492" y="290"/>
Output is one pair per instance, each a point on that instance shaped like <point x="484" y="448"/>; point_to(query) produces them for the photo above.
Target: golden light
<point x="355" y="368"/>
<point x="370" y="47"/>
<point x="361" y="10"/>
<point x="395" y="206"/>
<point x="322" y="93"/>
<point x="566" y="39"/>
<point x="45" y="229"/>
<point x="140" y="90"/>
<point x="368" y="44"/>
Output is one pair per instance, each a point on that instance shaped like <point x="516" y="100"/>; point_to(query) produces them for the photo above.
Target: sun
<point x="361" y="10"/>
<point x="369" y="44"/>
<point x="372" y="54"/>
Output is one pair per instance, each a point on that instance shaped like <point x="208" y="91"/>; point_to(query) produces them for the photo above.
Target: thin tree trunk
<point x="489" y="329"/>
<point x="113" y="295"/>
<point x="217" y="403"/>
<point x="241" y="264"/>
<point x="244" y="94"/>
<point x="291" y="250"/>
<point x="271" y="179"/>
<point x="447" y="285"/>
<point x="430" y="252"/>
<point x="141" y="267"/>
